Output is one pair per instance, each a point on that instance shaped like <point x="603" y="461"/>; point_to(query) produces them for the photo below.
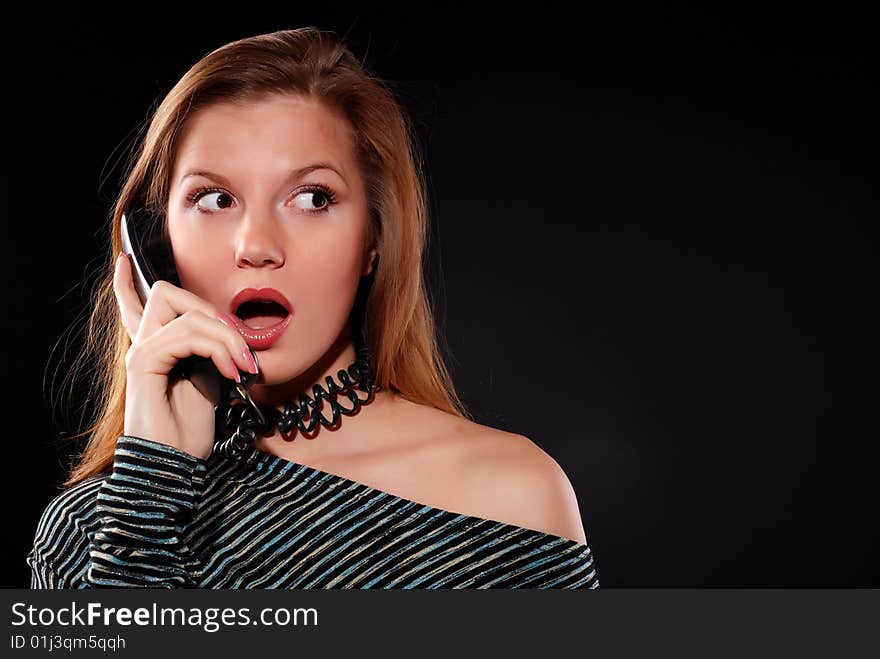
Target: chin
<point x="278" y="367"/>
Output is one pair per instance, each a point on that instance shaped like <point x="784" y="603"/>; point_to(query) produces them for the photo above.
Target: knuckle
<point x="196" y="320"/>
<point x="200" y="315"/>
<point x="132" y="355"/>
<point x="201" y="318"/>
<point x="161" y="286"/>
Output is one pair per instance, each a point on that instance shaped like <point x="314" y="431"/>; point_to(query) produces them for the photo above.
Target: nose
<point x="258" y="242"/>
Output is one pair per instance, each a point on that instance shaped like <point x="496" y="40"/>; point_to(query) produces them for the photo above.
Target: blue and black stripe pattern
<point x="166" y="519"/>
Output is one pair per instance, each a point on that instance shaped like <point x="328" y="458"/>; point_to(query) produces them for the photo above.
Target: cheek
<point x="197" y="273"/>
<point x="328" y="275"/>
<point x="325" y="283"/>
<point x="197" y="263"/>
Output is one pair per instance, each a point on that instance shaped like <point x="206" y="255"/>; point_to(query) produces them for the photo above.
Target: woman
<point x="282" y="174"/>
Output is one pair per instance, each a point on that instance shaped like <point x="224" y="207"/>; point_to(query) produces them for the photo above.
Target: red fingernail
<point x="250" y="358"/>
<point x="235" y="370"/>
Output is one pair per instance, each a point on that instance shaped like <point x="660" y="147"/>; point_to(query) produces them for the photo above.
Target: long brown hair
<point x="398" y="325"/>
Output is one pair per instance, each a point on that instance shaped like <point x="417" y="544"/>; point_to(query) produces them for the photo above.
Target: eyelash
<point x="197" y="194"/>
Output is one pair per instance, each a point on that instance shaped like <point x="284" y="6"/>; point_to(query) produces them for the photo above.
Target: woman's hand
<point x="173" y="324"/>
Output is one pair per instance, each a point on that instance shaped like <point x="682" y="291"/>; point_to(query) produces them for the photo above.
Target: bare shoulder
<point x="514" y="480"/>
<point x="498" y="475"/>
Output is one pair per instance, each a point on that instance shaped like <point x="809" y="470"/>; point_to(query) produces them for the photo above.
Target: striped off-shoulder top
<point x="166" y="519"/>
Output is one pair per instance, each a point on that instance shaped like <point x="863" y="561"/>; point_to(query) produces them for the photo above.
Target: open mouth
<point x="261" y="314"/>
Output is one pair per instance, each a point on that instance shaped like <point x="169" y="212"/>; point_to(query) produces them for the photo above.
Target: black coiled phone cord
<point x="305" y="413"/>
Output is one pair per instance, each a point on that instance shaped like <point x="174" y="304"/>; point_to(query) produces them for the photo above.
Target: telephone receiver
<point x="144" y="241"/>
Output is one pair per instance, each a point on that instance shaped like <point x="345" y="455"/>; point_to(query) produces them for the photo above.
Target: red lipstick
<point x="265" y="314"/>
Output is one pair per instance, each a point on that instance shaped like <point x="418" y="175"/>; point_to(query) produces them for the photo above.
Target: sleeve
<point x="562" y="563"/>
<point x="140" y="514"/>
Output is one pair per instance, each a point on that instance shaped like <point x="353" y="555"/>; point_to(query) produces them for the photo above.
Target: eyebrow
<point x="295" y="174"/>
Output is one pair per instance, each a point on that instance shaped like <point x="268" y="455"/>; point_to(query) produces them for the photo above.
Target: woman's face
<point x="248" y="209"/>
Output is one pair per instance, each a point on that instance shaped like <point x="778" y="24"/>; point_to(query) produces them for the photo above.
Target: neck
<point x="338" y="358"/>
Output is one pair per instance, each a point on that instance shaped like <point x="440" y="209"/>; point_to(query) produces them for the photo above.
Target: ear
<point x="371" y="259"/>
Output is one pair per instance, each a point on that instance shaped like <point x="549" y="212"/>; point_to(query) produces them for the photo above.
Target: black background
<point x="650" y="254"/>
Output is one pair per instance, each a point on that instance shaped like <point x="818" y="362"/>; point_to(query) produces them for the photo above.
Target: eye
<point x="222" y="199"/>
<point x="317" y="192"/>
<point x="311" y="198"/>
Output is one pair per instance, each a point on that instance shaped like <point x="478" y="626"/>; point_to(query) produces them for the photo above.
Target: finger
<point x="166" y="302"/>
<point x="199" y="323"/>
<point x="160" y="352"/>
<point x="130" y="307"/>
<point x="195" y="323"/>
